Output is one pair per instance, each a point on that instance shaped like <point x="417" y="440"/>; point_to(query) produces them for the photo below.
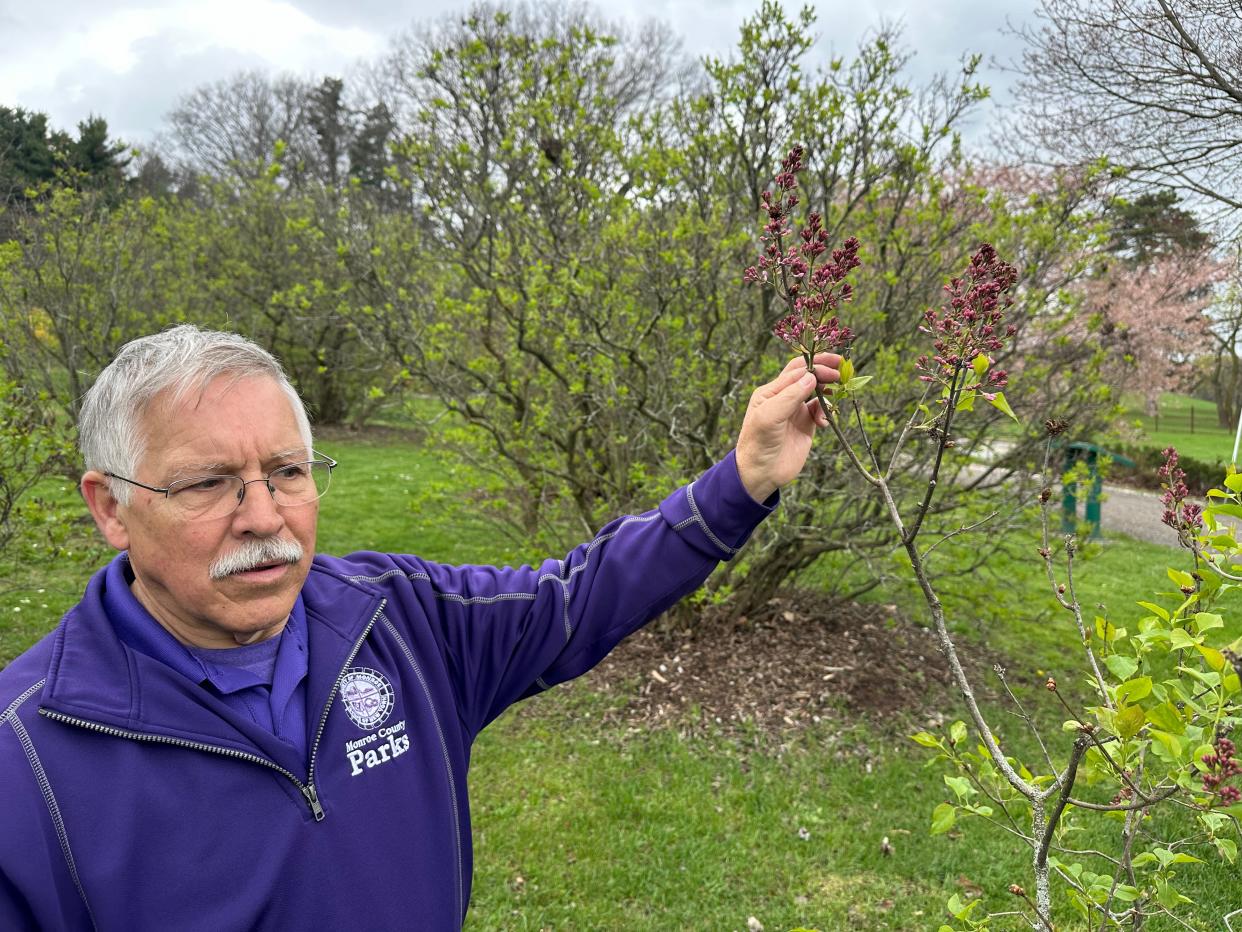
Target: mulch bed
<point x="799" y="664"/>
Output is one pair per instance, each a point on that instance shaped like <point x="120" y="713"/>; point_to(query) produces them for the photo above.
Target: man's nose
<point x="257" y="512"/>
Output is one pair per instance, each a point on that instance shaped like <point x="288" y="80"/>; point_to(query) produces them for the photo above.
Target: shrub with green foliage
<point x="35" y="446"/>
<point x="573" y="295"/>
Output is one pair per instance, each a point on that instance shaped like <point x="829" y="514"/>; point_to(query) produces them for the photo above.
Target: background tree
<point x="574" y="297"/>
<point x="230" y="128"/>
<point x="1159" y="311"/>
<point x="1152" y="225"/>
<point x="80" y="277"/>
<point x="1152" y="291"/>
<point x="1151" y="86"/>
<point x="1225" y="372"/>
<point x="271" y="262"/>
<point x="27" y="154"/>
<point x="34" y="159"/>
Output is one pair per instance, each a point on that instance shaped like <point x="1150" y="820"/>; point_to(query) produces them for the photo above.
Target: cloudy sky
<point x="130" y="61"/>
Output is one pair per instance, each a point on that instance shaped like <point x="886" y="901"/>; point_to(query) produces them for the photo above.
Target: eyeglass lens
<point x="216" y="496"/>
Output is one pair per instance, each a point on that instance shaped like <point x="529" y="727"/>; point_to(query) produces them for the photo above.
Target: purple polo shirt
<point x="265" y="682"/>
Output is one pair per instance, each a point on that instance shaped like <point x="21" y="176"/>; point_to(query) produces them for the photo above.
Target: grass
<point x="581" y="825"/>
<point x="1208" y="441"/>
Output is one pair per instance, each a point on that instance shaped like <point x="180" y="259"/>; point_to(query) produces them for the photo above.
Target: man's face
<point x="243" y="427"/>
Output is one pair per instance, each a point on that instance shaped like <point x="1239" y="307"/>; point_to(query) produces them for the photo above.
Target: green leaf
<point x="943" y="817"/>
<point x="980" y="364"/>
<point x="1210" y="680"/>
<point x="1171" y="743"/>
<point x="1215" y="659"/>
<point x="1228" y="849"/>
<point x="1206" y="621"/>
<point x="1166" y="896"/>
<point x="846" y="369"/>
<point x="1181" y="857"/>
<point x="852" y="385"/>
<point x="1106" y="631"/>
<point x="1165" y="716"/>
<point x="1001" y="404"/>
<point x="926" y="739"/>
<point x="1126" y="893"/>
<point x="1180" y="639"/>
<point x="1233" y="482"/>
<point x="961" y="909"/>
<point x="1121" y="666"/>
<point x="960" y="786"/>
<point x="1133" y="690"/>
<point x="1129" y="720"/>
<point x="1181" y="579"/>
<point x="1155" y="609"/>
<point x="966" y="402"/>
<point x="957" y="732"/>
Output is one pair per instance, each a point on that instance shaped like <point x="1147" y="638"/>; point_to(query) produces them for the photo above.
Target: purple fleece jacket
<point x="133" y="799"/>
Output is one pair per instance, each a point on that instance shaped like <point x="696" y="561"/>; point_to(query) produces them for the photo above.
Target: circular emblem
<point x="368" y="697"/>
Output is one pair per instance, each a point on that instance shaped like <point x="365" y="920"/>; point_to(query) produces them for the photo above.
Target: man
<point x="229" y="732"/>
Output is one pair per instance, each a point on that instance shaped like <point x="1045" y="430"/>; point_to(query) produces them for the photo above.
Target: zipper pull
<point x="313" y="798"/>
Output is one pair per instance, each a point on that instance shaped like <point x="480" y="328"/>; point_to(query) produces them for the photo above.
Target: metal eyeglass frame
<point x="266" y="480"/>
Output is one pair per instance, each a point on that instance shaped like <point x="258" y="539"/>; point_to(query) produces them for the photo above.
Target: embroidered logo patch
<point x="367" y="696"/>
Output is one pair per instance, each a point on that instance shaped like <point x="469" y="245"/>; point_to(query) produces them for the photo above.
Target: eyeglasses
<point x="201" y="498"/>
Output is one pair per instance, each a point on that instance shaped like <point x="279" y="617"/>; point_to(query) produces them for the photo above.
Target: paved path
<point x="1135" y="512"/>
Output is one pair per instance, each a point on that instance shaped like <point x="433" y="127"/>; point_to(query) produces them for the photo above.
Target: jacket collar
<point x="94" y="676"/>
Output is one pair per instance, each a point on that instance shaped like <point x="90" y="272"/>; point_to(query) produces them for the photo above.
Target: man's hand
<point x="779" y="424"/>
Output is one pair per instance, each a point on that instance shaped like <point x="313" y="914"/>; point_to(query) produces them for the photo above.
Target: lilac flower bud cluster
<point x="1184" y="517"/>
<point x="971" y="323"/>
<point x="1223" y="767"/>
<point x="811" y="286"/>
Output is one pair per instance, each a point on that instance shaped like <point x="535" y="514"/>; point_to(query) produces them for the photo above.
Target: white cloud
<point x="131" y="61"/>
<point x="69" y="72"/>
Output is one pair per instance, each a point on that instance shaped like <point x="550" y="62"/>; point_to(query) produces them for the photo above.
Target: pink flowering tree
<point x="1158" y="310"/>
<point x="1162" y="696"/>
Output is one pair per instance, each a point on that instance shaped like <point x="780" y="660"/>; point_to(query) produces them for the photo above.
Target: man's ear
<point x="104" y="509"/>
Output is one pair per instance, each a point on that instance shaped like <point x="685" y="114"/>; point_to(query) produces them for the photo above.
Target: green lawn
<point x="581" y="825"/>
<point x="1198" y="436"/>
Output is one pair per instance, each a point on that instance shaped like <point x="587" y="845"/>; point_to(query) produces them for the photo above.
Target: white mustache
<point x="255" y="553"/>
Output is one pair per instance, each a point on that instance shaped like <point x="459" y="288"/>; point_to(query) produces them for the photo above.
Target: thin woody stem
<point x="961" y="530"/>
<point x="905" y="431"/>
<point x="836" y="427"/>
<point x="863" y="432"/>
<point x="950" y="652"/>
<point x="1000" y="673"/>
<point x="921" y="512"/>
<point x="1067" y="784"/>
<point x="1072" y="605"/>
<point x="845" y="444"/>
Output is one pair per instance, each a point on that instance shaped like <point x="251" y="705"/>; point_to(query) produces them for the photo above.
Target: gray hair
<point x="178" y="361"/>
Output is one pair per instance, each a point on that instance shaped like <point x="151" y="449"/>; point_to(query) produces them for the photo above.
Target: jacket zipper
<point x="448" y="762"/>
<point x="307" y="789"/>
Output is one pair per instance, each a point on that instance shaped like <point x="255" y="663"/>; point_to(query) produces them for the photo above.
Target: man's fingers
<point x="787" y="398"/>
<point x="817" y="413"/>
<point x="790" y="375"/>
<point x="832" y="360"/>
<point x="826" y="366"/>
<point x="825" y="373"/>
